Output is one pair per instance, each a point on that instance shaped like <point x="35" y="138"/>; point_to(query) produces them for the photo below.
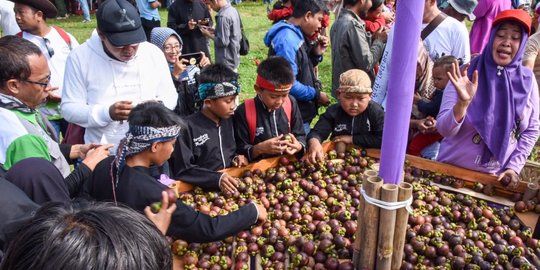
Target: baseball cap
<point x="465" y="7"/>
<point x="120" y="22"/>
<point x="519" y="15"/>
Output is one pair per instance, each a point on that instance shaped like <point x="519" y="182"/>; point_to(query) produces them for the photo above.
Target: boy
<point x="356" y="119"/>
<point x="431" y="109"/>
<point x="270" y="124"/>
<point x="290" y="40"/>
<point x="208" y="144"/>
<point x="153" y="130"/>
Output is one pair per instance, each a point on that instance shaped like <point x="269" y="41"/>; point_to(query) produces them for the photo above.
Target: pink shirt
<point x="485" y="13"/>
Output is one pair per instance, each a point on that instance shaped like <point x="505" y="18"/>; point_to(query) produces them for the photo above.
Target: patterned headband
<point x="140" y="138"/>
<point x="218" y="90"/>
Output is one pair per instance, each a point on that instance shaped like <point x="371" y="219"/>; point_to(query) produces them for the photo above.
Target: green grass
<point x="255" y="24"/>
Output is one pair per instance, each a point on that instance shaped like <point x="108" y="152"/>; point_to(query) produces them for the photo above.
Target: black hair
<point x="304" y="6"/>
<point x="14" y="52"/>
<point x="153" y="114"/>
<point x="349" y="2"/>
<point x="375" y="4"/>
<point x="217" y="73"/>
<point x="276" y="70"/>
<point x="63" y="235"/>
<point x="445" y="62"/>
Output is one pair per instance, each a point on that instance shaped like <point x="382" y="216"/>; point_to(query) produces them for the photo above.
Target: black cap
<point x="120" y="22"/>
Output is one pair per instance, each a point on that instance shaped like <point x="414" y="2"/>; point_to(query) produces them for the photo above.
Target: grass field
<point x="255" y="24"/>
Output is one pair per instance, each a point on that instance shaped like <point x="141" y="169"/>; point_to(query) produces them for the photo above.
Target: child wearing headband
<point x="153" y="130"/>
<point x="209" y="144"/>
<point x="270" y="124"/>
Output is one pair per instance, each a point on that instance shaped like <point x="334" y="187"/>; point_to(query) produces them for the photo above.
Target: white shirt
<point x="449" y="38"/>
<point x="8" y="24"/>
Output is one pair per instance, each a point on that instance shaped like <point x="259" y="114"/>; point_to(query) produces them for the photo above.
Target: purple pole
<point x="400" y="88"/>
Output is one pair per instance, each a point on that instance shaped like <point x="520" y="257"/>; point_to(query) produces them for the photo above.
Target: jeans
<point x="307" y="128"/>
<point x="431" y="151"/>
<point x="85" y="9"/>
<point x="60" y="126"/>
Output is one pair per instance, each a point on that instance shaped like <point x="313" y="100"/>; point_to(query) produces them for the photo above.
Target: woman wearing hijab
<point x="184" y="74"/>
<point x="489" y="114"/>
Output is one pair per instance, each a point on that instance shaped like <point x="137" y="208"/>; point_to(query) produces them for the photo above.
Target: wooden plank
<point x="457" y="172"/>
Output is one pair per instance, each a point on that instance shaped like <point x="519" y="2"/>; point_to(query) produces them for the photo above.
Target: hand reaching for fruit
<point x="160" y="213"/>
<point x="315" y="153"/>
<point x="263" y="215"/>
<point x="509" y="179"/>
<point x="344" y="138"/>
<point x="228" y="183"/>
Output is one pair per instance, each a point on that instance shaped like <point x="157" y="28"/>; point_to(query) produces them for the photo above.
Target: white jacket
<point x="93" y="81"/>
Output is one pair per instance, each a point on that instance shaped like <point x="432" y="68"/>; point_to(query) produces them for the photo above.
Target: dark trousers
<point x="148" y="25"/>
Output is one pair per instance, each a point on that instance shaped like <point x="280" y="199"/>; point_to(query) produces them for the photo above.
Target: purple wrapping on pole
<point x="400" y="88"/>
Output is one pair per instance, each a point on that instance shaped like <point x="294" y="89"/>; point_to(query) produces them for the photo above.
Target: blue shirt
<point x="146" y="11"/>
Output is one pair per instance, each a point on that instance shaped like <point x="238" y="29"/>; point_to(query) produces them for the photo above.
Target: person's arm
<point x="173" y="22"/>
<point x="194" y="226"/>
<point x="531" y="51"/>
<point x="528" y="137"/>
<point x="241" y="133"/>
<point x="299" y="91"/>
<point x="373" y="26"/>
<point x="482" y="8"/>
<point x="187" y="171"/>
<point x="297" y="127"/>
<point x="364" y="56"/>
<point x="222" y="35"/>
<point x="324" y="126"/>
<point x="74" y="99"/>
<point x="154" y="4"/>
<point x="447" y="125"/>
<point x="165" y="91"/>
<point x="374" y="138"/>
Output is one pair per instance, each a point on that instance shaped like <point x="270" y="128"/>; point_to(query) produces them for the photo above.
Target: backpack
<point x="60" y="31"/>
<point x="244" y="42"/>
<point x="251" y="116"/>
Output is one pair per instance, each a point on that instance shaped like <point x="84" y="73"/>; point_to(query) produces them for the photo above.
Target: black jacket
<point x="269" y="125"/>
<point x="366" y="128"/>
<point x="180" y="12"/>
<point x="203" y="149"/>
<point x="137" y="189"/>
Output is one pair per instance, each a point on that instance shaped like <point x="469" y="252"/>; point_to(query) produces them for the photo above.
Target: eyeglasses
<point x="175" y="47"/>
<point x="50" y="50"/>
<point x="42" y="84"/>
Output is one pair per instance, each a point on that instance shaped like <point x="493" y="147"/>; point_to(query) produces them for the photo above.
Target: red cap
<point x="518" y="15"/>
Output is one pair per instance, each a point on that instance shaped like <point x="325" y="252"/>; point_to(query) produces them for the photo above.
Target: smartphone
<point x="193" y="58"/>
<point x="205" y="22"/>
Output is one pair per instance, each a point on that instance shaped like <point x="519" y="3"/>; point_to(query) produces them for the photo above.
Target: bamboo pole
<point x="356" y="245"/>
<point x="402" y="217"/>
<point x="367" y="240"/>
<point x="530" y="191"/>
<point x="387" y="221"/>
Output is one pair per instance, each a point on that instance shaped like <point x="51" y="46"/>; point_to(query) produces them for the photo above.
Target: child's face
<point x="162" y="151"/>
<point x="312" y="23"/>
<point x="272" y="100"/>
<point x="354" y="103"/>
<point x="222" y="107"/>
<point x="373" y="15"/>
<point x="440" y="78"/>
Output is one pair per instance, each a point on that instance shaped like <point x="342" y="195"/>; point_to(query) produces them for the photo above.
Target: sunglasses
<point x="50" y="50"/>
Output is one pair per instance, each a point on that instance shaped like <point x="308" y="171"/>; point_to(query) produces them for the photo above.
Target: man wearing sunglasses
<point x="112" y="72"/>
<point x="55" y="43"/>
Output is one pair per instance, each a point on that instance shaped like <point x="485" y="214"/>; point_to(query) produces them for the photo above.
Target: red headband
<point x="266" y="85"/>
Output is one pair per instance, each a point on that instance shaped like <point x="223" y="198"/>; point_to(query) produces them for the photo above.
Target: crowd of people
<point x="115" y="118"/>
